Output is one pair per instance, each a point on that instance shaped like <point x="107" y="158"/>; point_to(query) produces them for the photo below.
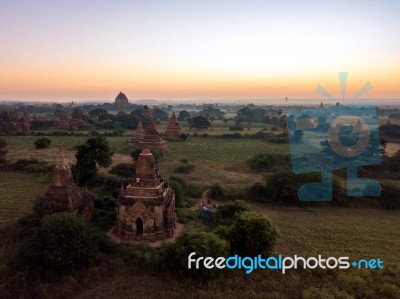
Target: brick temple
<point x="173" y="130"/>
<point x="146" y="207"/>
<point x="138" y="135"/>
<point x="65" y="196"/>
<point x="151" y="139"/>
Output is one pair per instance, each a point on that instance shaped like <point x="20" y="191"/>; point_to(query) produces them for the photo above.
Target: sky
<point x="197" y="50"/>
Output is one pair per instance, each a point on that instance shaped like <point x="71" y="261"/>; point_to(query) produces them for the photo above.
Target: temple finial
<point x="61" y="158"/>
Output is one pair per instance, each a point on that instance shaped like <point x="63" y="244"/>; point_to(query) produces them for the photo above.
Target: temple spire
<point x="61" y="159"/>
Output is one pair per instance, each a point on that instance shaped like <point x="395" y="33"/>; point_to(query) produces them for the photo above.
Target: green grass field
<point x="17" y="192"/>
<point x="336" y="231"/>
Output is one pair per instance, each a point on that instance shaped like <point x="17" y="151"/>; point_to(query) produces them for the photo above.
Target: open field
<point x="17" y="192"/>
<point x="357" y="233"/>
<point x="335" y="231"/>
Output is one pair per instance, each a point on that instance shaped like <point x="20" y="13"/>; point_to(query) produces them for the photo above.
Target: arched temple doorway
<point x="139" y="227"/>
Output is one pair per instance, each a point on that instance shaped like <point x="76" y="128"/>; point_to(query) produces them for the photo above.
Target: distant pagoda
<point x="138" y="135"/>
<point x="65" y="196"/>
<point x="173" y="130"/>
<point x="151" y="139"/>
<point x="146" y="207"/>
<point x="121" y="101"/>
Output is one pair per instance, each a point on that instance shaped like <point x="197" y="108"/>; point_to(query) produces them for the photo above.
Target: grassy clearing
<point x="21" y="147"/>
<point x="335" y="231"/>
<point x="218" y="150"/>
<point x="18" y="191"/>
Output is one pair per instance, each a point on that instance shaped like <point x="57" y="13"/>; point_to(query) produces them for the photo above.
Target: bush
<point x="274" y="128"/>
<point x="229" y="211"/>
<point x="31" y="165"/>
<point x="187" y="215"/>
<point x="253" y="234"/>
<point x="103" y="215"/>
<point x="284" y="186"/>
<point x="236" y="128"/>
<point x="228" y="192"/>
<point x="62" y="244"/>
<point x="179" y="193"/>
<point x="175" y="255"/>
<point x="42" y="143"/>
<point x="123" y="170"/>
<point x="390" y="197"/>
<point x="265" y="162"/>
<point x="188" y="168"/>
<point x="183" y="136"/>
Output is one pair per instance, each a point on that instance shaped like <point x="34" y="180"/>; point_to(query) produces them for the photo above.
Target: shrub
<point x="31" y="165"/>
<point x="183" y="136"/>
<point x="175" y="256"/>
<point x="187" y="215"/>
<point x="236" y="128"/>
<point x="123" y="170"/>
<point x="188" y="168"/>
<point x="274" y="128"/>
<point x="42" y="143"/>
<point x="228" y="211"/>
<point x="253" y="234"/>
<point x="179" y="193"/>
<point x="103" y="215"/>
<point x="62" y="244"/>
<point x="390" y="197"/>
<point x="265" y="162"/>
<point x="284" y="186"/>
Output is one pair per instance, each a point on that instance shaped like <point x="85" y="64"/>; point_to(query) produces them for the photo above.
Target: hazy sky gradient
<point x="196" y="50"/>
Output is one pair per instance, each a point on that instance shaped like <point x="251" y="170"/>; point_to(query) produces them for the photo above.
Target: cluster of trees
<point x="95" y="151"/>
<point x="249" y="234"/>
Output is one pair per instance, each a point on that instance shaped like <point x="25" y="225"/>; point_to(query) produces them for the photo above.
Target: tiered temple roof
<point x="151" y="139"/>
<point x="138" y="135"/>
<point x="65" y="196"/>
<point x="146" y="208"/>
<point x="173" y="130"/>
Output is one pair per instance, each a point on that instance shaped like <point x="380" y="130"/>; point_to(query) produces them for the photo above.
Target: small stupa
<point x="173" y="130"/>
<point x="65" y="196"/>
<point x="138" y="135"/>
<point x="151" y="139"/>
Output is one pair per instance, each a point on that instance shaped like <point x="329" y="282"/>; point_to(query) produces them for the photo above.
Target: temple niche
<point x="65" y="196"/>
<point x="138" y="135"/>
<point x="151" y="139"/>
<point x="146" y="207"/>
<point x="173" y="130"/>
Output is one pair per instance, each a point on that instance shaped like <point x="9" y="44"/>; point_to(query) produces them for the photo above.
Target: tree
<point x="94" y="152"/>
<point x="212" y="118"/>
<point x="62" y="243"/>
<point x="77" y="113"/>
<point x="225" y="122"/>
<point x="123" y="170"/>
<point x="175" y="255"/>
<point x="183" y="115"/>
<point x="97" y="112"/>
<point x="199" y="123"/>
<point x="42" y="143"/>
<point x="253" y="234"/>
<point x="3" y="150"/>
<point x="298" y="135"/>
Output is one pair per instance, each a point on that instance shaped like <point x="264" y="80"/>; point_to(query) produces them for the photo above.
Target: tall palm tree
<point x="225" y="121"/>
<point x="212" y="118"/>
